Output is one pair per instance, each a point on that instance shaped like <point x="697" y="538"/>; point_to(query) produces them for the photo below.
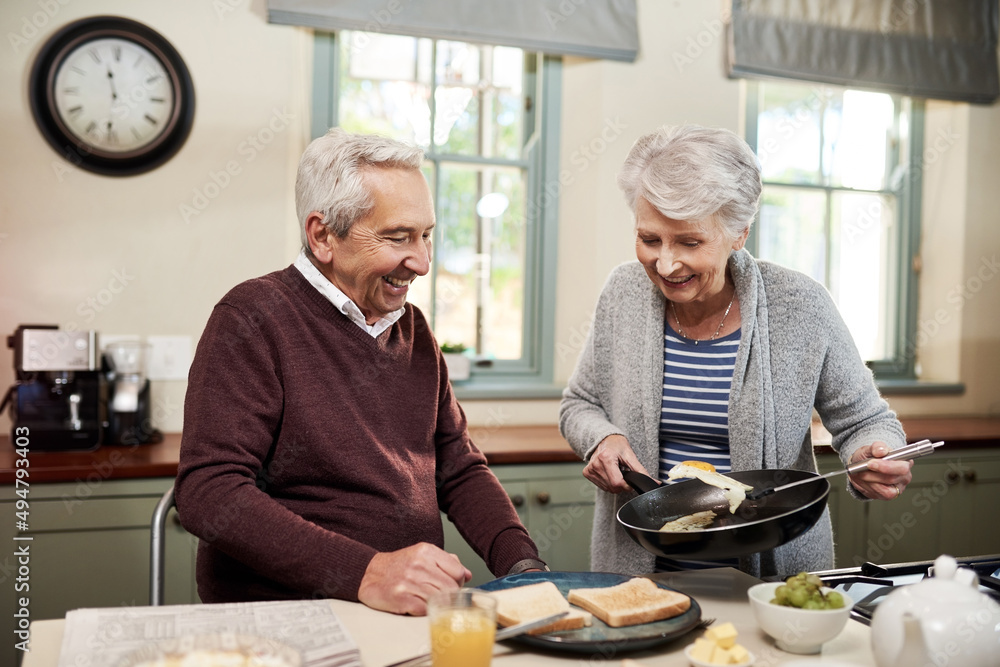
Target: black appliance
<point x="128" y="405"/>
<point x="870" y="583"/>
<point x="68" y="396"/>
<point x="56" y="400"/>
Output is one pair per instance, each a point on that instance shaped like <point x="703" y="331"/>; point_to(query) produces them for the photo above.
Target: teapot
<point x="942" y="621"/>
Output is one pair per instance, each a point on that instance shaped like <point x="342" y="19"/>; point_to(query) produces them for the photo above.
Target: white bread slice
<point x="526" y="603"/>
<point x="638" y="600"/>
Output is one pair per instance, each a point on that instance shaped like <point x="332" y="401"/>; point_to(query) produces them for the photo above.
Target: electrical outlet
<point x="169" y="357"/>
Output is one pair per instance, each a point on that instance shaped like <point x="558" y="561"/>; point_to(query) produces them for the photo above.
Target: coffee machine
<point x="128" y="404"/>
<point x="56" y="400"/>
<point x="69" y="396"/>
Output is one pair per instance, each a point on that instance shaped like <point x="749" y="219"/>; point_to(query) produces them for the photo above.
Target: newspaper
<point x="115" y="636"/>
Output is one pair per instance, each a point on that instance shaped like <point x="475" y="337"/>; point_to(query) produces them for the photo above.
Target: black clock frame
<point x="41" y="94"/>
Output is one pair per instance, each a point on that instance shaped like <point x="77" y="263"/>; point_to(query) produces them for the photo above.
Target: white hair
<point x="330" y="178"/>
<point x="693" y="173"/>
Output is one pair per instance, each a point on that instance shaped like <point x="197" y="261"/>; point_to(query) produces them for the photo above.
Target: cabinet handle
<point x="543" y="498"/>
<point x="970" y="475"/>
<point x="517" y="500"/>
<point x="952" y="476"/>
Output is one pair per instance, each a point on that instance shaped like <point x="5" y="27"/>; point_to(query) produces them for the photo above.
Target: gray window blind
<point x="939" y="49"/>
<point x="604" y="29"/>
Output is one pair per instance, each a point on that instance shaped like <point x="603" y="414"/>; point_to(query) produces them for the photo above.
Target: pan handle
<point x="640" y="483"/>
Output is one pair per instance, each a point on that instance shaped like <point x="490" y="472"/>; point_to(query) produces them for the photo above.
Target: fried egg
<point x="735" y="492"/>
<point x="696" y="521"/>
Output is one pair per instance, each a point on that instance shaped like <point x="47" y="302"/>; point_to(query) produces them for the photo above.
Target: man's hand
<point x="401" y="581"/>
<point x="603" y="469"/>
<point x="883" y="479"/>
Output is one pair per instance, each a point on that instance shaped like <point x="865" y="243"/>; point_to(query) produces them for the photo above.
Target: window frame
<point x="531" y="376"/>
<point x="899" y="370"/>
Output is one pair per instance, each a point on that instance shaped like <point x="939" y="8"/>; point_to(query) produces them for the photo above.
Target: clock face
<point x="114" y="95"/>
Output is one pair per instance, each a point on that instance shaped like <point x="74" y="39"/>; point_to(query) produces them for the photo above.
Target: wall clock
<point x="112" y="96"/>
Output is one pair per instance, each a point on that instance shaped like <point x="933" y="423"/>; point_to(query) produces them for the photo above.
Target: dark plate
<point x="599" y="637"/>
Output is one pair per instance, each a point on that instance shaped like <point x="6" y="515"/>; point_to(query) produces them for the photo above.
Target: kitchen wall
<point x="119" y="255"/>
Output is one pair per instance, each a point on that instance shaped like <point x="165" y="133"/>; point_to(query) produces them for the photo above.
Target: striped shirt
<point x="694" y="414"/>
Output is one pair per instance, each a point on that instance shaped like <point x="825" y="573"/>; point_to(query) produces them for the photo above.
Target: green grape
<point x="804" y="591"/>
<point x="798" y="597"/>
<point x="834" y="600"/>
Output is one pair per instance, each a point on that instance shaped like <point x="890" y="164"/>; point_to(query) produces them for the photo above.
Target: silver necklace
<point x="680" y="329"/>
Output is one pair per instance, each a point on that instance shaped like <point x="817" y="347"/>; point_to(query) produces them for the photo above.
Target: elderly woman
<point x="700" y="352"/>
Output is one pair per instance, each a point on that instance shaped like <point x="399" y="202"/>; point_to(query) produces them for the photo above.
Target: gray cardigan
<point x="795" y="354"/>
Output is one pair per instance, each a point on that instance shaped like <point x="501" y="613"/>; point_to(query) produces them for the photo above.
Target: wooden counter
<point x="502" y="445"/>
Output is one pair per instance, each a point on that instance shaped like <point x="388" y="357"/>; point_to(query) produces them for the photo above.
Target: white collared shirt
<point x="342" y="302"/>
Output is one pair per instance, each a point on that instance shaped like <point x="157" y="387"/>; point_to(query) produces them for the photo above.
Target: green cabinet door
<point x="554" y="502"/>
<point x="947" y="509"/>
<point x="89" y="547"/>
<point x="848" y="514"/>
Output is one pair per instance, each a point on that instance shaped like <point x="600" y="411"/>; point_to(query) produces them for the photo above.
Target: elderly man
<point x="321" y="435"/>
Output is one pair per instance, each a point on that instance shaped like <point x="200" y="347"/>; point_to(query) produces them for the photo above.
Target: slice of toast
<point x="526" y="603"/>
<point x="638" y="600"/>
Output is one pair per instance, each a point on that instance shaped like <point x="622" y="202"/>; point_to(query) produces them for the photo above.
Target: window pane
<point x="863" y="231"/>
<point x="860" y="137"/>
<point x="370" y="100"/>
<point x="792" y="230"/>
<point x="480" y="259"/>
<point x="471" y="98"/>
<point x="789" y="132"/>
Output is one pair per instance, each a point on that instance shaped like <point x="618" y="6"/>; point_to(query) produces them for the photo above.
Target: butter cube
<point x="738" y="654"/>
<point x="703" y="649"/>
<point x="723" y="635"/>
<point x="720" y="656"/>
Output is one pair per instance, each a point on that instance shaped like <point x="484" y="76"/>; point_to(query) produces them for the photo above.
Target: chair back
<point x="157" y="547"/>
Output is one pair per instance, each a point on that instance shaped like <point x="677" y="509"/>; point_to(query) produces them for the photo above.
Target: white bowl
<point x="796" y="630"/>
<point x="698" y="663"/>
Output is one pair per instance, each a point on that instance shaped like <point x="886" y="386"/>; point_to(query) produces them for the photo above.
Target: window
<point x="487" y="118"/>
<point x="841" y="204"/>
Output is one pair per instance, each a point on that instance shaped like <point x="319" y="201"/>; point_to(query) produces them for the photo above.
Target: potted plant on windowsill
<point x="459" y="365"/>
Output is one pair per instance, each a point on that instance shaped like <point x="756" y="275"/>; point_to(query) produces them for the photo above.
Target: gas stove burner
<point x="869" y="583"/>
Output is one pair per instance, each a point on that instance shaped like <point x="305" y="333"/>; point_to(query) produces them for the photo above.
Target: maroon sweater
<point x="310" y="446"/>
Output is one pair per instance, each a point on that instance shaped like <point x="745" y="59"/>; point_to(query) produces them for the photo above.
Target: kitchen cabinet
<point x="941" y="511"/>
<point x="556" y="505"/>
<point x="89" y="547"/>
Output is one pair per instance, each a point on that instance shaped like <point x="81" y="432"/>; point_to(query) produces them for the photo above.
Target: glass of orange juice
<point x="463" y="626"/>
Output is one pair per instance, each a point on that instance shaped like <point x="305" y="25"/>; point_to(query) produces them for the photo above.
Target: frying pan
<point x="758" y="525"/>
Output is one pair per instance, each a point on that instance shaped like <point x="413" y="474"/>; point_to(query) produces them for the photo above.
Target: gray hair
<point x="692" y="173"/>
<point x="330" y="178"/>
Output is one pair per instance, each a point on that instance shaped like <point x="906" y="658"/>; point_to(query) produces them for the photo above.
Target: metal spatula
<point x="912" y="451"/>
